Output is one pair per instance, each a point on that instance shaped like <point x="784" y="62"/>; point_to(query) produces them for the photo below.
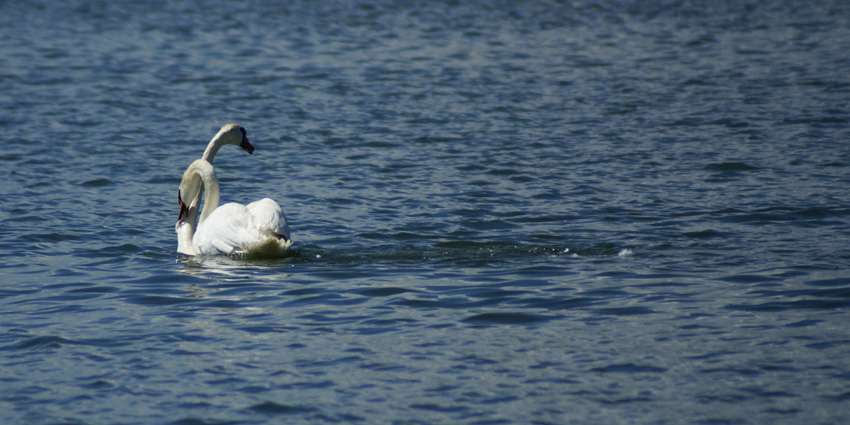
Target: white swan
<point x="259" y="228"/>
<point x="229" y="134"/>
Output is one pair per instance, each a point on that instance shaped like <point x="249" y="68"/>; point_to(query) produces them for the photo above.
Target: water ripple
<point x="539" y="212"/>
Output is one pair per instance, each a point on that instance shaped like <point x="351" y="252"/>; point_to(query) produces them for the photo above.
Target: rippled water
<point x="631" y="212"/>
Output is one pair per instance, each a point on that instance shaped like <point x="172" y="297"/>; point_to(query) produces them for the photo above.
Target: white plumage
<point x="258" y="228"/>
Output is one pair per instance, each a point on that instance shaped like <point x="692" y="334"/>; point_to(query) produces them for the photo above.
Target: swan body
<point x="258" y="228"/>
<point x="229" y="134"/>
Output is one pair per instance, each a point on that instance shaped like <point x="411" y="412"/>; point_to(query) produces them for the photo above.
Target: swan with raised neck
<point x="228" y="134"/>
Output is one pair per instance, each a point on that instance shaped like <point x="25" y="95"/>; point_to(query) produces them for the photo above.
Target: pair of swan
<point x="258" y="228"/>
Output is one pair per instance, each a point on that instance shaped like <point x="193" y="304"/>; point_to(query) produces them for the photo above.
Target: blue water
<point x="503" y="213"/>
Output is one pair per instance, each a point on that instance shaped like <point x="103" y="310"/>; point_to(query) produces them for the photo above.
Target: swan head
<point x="188" y="198"/>
<point x="185" y="226"/>
<point x="186" y="209"/>
<point x="189" y="192"/>
<point x="234" y="134"/>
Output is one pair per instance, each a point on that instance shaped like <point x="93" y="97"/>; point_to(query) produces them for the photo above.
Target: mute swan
<point x="229" y="134"/>
<point x="259" y="228"/>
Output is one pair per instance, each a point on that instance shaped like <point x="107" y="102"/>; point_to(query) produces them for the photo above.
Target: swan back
<point x="258" y="229"/>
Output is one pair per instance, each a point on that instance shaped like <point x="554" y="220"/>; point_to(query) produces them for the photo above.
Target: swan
<point x="258" y="228"/>
<point x="229" y="134"/>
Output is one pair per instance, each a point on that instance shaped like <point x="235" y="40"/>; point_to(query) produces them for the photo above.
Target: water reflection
<point x="235" y="269"/>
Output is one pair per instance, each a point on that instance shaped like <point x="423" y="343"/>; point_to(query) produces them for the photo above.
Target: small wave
<point x="506" y="318"/>
<point x="40" y="342"/>
<point x="731" y="166"/>
<point x="158" y="300"/>
<point x="625" y="311"/>
<point x="270" y="407"/>
<point x="629" y="368"/>
<point x="828" y="298"/>
<point x="98" y="182"/>
<point x="704" y="234"/>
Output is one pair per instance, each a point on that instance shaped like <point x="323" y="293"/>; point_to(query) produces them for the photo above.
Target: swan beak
<point x="184" y="211"/>
<point x="246" y="145"/>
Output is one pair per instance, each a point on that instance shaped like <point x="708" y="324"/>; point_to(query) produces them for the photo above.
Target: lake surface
<point x="543" y="212"/>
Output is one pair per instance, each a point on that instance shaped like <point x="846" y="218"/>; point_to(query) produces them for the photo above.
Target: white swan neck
<point x="212" y="148"/>
<point x="211" y="190"/>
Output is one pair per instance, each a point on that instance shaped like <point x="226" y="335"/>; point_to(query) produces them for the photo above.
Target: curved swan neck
<point x="212" y="148"/>
<point x="198" y="179"/>
<point x="233" y="134"/>
<point x="211" y="191"/>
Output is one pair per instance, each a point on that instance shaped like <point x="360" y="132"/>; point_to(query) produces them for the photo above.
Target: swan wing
<point x="223" y="231"/>
<point x="238" y="229"/>
<point x="269" y="216"/>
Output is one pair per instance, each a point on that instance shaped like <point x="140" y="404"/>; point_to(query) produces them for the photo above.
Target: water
<point x="503" y="213"/>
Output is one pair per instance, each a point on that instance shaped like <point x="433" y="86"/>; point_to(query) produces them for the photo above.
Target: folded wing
<point x="258" y="228"/>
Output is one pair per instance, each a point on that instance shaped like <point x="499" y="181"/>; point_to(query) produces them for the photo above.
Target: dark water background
<point x="503" y="212"/>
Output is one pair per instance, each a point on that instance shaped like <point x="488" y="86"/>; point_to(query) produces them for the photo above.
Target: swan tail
<point x="271" y="246"/>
